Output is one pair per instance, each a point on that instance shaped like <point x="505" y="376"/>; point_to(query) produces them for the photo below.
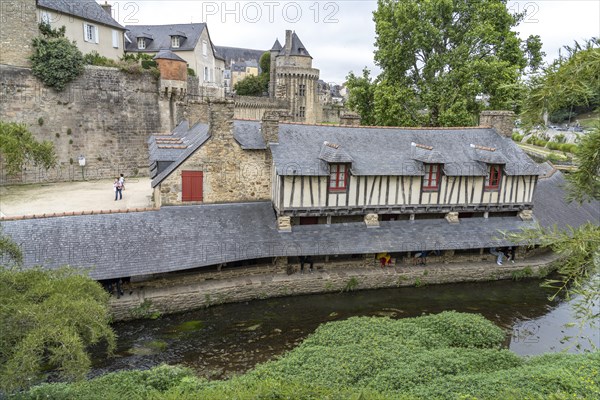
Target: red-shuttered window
<point x="494" y="176"/>
<point x="191" y="185"/>
<point x="338" y="177"/>
<point x="431" y="180"/>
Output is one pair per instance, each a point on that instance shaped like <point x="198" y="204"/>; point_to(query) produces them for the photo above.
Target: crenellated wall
<point x="249" y="107"/>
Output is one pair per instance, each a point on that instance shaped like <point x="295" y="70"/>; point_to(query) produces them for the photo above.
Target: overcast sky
<point x="340" y="35"/>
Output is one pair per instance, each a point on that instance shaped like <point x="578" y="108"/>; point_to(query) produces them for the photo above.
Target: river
<point x="224" y="340"/>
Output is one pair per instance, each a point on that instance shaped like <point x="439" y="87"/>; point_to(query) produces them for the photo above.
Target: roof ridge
<point x="417" y="128"/>
<point x="77" y="213"/>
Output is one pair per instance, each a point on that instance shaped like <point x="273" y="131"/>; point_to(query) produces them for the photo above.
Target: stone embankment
<point x="189" y="292"/>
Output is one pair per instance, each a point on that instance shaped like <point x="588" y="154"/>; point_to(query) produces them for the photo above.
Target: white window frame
<point x="141" y="43"/>
<point x="204" y="48"/>
<point x="45" y="17"/>
<point x="115" y="39"/>
<point x="175" y="42"/>
<point x="90" y="33"/>
<point x="206" y="76"/>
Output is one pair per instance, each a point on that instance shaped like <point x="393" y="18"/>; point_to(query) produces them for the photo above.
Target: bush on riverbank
<point x="446" y="356"/>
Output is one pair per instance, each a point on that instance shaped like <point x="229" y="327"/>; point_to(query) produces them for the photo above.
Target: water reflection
<point x="230" y="339"/>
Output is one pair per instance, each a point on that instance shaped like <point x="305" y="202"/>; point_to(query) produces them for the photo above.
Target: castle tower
<point x="172" y="86"/>
<point x="294" y="79"/>
<point x="275" y="50"/>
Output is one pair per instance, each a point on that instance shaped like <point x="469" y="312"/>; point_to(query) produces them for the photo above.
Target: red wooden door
<point x="191" y="185"/>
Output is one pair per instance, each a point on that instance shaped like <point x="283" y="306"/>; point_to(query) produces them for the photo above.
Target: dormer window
<point x="175" y="40"/>
<point x="431" y="180"/>
<point x="141" y="43"/>
<point x="494" y="177"/>
<point x="338" y="177"/>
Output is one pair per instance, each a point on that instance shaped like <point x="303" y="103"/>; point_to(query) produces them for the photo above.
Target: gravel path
<point x="96" y="195"/>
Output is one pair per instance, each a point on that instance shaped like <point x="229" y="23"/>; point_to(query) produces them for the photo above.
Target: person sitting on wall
<point x="384" y="259"/>
<point x="511" y="254"/>
<point x="498" y="254"/>
<point x="421" y="257"/>
<point x="308" y="260"/>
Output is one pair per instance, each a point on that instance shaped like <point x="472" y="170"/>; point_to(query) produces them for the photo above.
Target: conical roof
<point x="276" y="46"/>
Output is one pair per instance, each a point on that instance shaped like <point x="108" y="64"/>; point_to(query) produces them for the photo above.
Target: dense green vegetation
<point x="48" y="320"/>
<point x="439" y="59"/>
<point x="444" y="356"/>
<point x="55" y="60"/>
<point x="18" y="146"/>
<point x="571" y="81"/>
<point x="256" y="85"/>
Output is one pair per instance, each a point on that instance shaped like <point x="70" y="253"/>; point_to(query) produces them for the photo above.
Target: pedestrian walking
<point x="118" y="189"/>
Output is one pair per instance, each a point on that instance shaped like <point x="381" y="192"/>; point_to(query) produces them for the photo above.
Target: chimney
<point x="270" y="127"/>
<point x="350" y="119"/>
<point x="220" y="119"/>
<point x="502" y="121"/>
<point x="107" y="7"/>
<point x="288" y="41"/>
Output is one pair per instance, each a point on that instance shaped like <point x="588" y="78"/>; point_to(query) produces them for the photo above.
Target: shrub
<point x="147" y="64"/>
<point x="191" y="72"/>
<point x="555" y="158"/>
<point x="516" y="137"/>
<point x="94" y="58"/>
<point x="55" y="60"/>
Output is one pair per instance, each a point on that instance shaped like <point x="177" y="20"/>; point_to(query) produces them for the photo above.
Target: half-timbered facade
<point x="329" y="171"/>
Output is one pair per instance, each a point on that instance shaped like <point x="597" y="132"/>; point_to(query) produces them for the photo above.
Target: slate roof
<point x="248" y="135"/>
<point x="388" y="151"/>
<point x="276" y="46"/>
<point x="161" y="36"/>
<point x="549" y="198"/>
<point x="167" y="55"/>
<point x="333" y="153"/>
<point x="185" y="237"/>
<point x="238" y="54"/>
<point x="169" y="149"/>
<point x="296" y="48"/>
<point x="85" y="9"/>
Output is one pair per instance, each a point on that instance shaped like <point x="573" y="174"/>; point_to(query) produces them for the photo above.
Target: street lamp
<point x="82" y="164"/>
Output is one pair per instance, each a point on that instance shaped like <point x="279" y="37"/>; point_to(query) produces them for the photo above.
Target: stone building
<point x="265" y="193"/>
<point x="191" y="42"/>
<point x="238" y="63"/>
<point x="86" y="23"/>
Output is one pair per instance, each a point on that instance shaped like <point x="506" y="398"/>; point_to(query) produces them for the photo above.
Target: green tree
<point x="55" y="60"/>
<point x="265" y="63"/>
<point x="250" y="86"/>
<point x="534" y="53"/>
<point x="439" y="57"/>
<point x="10" y="252"/>
<point x="570" y="81"/>
<point x="361" y="93"/>
<point x="18" y="146"/>
<point x="48" y="319"/>
<point x="584" y="183"/>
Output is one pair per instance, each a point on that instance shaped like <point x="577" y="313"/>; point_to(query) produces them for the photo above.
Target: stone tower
<point x="172" y="85"/>
<point x="294" y="79"/>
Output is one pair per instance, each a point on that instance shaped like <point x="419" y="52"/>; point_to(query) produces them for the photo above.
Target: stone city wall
<point x="105" y="115"/>
<point x="249" y="107"/>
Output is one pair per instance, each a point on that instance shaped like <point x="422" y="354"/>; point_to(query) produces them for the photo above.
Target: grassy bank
<point x="444" y="356"/>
